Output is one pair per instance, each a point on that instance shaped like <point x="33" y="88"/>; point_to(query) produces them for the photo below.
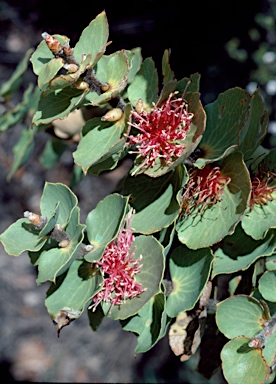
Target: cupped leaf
<point x="65" y="80"/>
<point x="241" y="364"/>
<point x="135" y="60"/>
<point x="189" y="272"/>
<point x="238" y="251"/>
<point x="154" y="200"/>
<point x="113" y="70"/>
<point x="148" y="323"/>
<point x="144" y="85"/>
<point x="267" y="285"/>
<point x="263" y="214"/>
<point x="100" y="140"/>
<point x="49" y="71"/>
<point x="73" y="292"/>
<point x="103" y="224"/>
<point x="189" y="84"/>
<point x="93" y="39"/>
<point x="11" y="85"/>
<point x="150" y="277"/>
<point x="205" y="229"/>
<point x="42" y="55"/>
<point x="255" y="128"/>
<point x="56" y="104"/>
<point x="28" y="235"/>
<point x="240" y="315"/>
<point x="58" y="193"/>
<point x="226" y="118"/>
<point x="55" y="261"/>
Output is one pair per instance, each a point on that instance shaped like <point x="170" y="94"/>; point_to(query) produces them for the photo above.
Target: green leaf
<point x="52" y="152"/>
<point x="11" y="85"/>
<point x="103" y="224"/>
<point x="102" y="138"/>
<point x="167" y="72"/>
<point x="74" y="292"/>
<point x="238" y="251"/>
<point x="147" y="323"/>
<point x="56" y="104"/>
<point x="18" y="113"/>
<point x="189" y="272"/>
<point x="48" y="71"/>
<point x="135" y="59"/>
<point x="154" y="200"/>
<point x="226" y="118"/>
<point x="255" y="128"/>
<point x="240" y="315"/>
<point x="42" y="55"/>
<point x="188" y="84"/>
<point x="57" y="193"/>
<point x="150" y="277"/>
<point x="93" y="39"/>
<point x="241" y="364"/>
<point x="22" y="150"/>
<point x="267" y="285"/>
<point x="205" y="229"/>
<point x="144" y="85"/>
<point x="28" y="235"/>
<point x="55" y="261"/>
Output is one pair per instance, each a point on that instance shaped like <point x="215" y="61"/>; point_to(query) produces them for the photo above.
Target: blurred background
<point x="230" y="43"/>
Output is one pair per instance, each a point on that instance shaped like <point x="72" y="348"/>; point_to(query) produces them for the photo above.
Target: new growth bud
<point x="53" y="44"/>
<point x="37" y="220"/>
<point x="114" y="114"/>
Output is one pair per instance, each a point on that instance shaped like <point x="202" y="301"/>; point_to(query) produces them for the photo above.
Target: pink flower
<point x="204" y="188"/>
<point x="261" y="192"/>
<point x="119" y="268"/>
<point x="162" y="131"/>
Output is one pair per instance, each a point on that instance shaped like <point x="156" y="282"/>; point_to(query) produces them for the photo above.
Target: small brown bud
<point x="53" y="44"/>
<point x="37" y="220"/>
<point x="114" y="114"/>
<point x="139" y="106"/>
<point x="105" y="87"/>
<point x="64" y="243"/>
<point x="81" y="85"/>
<point x="68" y="50"/>
<point x="72" y="68"/>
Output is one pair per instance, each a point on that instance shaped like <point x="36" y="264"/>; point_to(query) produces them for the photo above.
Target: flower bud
<point x="64" y="243"/>
<point x="37" y="220"/>
<point x="72" y="68"/>
<point x="68" y="50"/>
<point x="105" y="87"/>
<point x="113" y="115"/>
<point x="81" y="85"/>
<point x="139" y="106"/>
<point x="53" y="44"/>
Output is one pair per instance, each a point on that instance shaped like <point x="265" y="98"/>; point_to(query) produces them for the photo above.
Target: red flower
<point x="204" y="188"/>
<point x="119" y="268"/>
<point x="261" y="193"/>
<point x="162" y="131"/>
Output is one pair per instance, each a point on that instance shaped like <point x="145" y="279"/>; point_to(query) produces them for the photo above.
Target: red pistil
<point x="204" y="188"/>
<point x="162" y="131"/>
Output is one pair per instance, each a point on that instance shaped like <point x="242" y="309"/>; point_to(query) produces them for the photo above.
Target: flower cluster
<point x="204" y="188"/>
<point x="161" y="131"/>
<point x="261" y="192"/>
<point x="119" y="268"/>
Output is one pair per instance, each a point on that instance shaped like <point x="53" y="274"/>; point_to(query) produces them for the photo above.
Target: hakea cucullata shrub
<point x="198" y="204"/>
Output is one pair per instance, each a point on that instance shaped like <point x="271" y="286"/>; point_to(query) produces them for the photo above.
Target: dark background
<point x="196" y="32"/>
